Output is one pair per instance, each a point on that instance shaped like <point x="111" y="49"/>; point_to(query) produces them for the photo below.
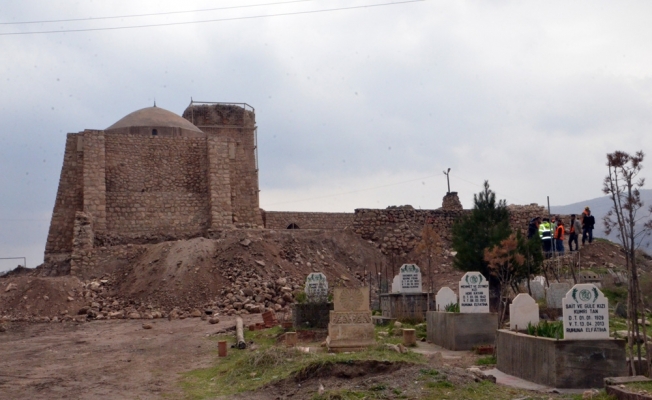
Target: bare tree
<point x="427" y="248"/>
<point x="622" y="186"/>
<point x="504" y="261"/>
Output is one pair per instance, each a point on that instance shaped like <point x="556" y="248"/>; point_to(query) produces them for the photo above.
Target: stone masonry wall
<point x="239" y="124"/>
<point x="398" y="230"/>
<point x="307" y="220"/>
<point x="219" y="182"/>
<point x="69" y="198"/>
<point x="156" y="185"/>
<point x="94" y="183"/>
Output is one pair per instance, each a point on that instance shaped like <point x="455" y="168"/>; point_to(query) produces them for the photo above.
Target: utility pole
<point x="448" y="180"/>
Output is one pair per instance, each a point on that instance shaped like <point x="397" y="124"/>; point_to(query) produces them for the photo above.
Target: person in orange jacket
<point x="559" y="237"/>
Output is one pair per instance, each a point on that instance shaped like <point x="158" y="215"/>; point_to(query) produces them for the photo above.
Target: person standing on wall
<point x="574" y="232"/>
<point x="588" y="222"/>
<point x="546" y="237"/>
<point x="559" y="237"/>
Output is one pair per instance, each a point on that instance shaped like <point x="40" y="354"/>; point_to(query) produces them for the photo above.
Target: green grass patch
<point x="488" y="360"/>
<point x="245" y="370"/>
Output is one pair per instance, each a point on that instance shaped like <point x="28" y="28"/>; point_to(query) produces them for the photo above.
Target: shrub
<point x="452" y="307"/>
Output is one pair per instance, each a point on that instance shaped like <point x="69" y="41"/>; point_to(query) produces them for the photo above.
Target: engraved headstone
<point x="523" y="311"/>
<point x="444" y="297"/>
<point x="555" y="292"/>
<point x="410" y="277"/>
<point x="350" y="327"/>
<point x="538" y="291"/>
<point x="585" y="313"/>
<point x="474" y="293"/>
<point x="316" y="287"/>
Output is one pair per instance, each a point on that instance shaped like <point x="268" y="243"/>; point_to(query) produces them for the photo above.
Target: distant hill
<point x="599" y="208"/>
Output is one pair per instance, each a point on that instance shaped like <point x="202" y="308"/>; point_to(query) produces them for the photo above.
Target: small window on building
<point x="154" y="132"/>
<point x="293" y="226"/>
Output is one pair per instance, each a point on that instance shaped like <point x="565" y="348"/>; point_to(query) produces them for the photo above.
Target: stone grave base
<point x="350" y="337"/>
<point x="461" y="331"/>
<point x="311" y="315"/>
<point x="405" y="306"/>
<point x="568" y="364"/>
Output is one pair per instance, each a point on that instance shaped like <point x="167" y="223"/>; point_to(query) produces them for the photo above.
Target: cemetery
<point x="407" y="301"/>
<point x="580" y="355"/>
<point x="473" y="325"/>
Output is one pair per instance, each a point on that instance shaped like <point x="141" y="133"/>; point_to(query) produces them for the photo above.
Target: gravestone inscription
<point x="316" y="287"/>
<point x="444" y="297"/>
<point x="585" y="313"/>
<point x="410" y="278"/>
<point x="474" y="293"/>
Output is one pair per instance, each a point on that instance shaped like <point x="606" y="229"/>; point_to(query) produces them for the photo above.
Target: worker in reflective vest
<point x="546" y="236"/>
<point x="559" y="237"/>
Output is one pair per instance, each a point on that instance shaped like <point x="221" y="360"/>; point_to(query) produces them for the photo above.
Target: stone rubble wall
<point x="83" y="240"/>
<point x="307" y="220"/>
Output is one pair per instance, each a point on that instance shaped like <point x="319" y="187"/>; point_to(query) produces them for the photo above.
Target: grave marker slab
<point x="316" y="287"/>
<point x="556" y="292"/>
<point x="523" y="311"/>
<point x="444" y="297"/>
<point x="350" y="326"/>
<point x="410" y="278"/>
<point x="538" y="291"/>
<point x="585" y="313"/>
<point x="474" y="293"/>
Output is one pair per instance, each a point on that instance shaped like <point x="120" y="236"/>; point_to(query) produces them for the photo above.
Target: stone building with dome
<point x="155" y="175"/>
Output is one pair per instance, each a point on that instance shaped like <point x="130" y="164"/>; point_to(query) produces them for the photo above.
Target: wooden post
<point x="239" y="334"/>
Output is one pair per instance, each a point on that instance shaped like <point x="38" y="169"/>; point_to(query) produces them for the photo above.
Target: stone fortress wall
<point x="155" y="176"/>
<point x="133" y="183"/>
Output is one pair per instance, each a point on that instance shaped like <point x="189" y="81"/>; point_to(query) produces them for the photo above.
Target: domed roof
<point x="154" y="117"/>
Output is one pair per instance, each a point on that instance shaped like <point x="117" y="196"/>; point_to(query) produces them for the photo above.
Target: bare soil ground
<point x="104" y="359"/>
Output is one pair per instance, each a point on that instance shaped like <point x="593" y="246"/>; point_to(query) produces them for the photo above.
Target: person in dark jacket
<point x="574" y="231"/>
<point x="588" y="222"/>
<point x="533" y="227"/>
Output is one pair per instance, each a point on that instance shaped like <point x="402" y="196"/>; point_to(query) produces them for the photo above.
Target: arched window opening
<point x="293" y="226"/>
<point x="154" y="132"/>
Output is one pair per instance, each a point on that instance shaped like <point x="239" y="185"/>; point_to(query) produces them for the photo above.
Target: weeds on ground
<point x="554" y="330"/>
<point x="488" y="360"/>
<point x="245" y="370"/>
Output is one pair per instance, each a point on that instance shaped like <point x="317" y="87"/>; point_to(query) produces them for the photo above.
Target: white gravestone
<point x="316" y="287"/>
<point x="444" y="297"/>
<point x="410" y="277"/>
<point x="474" y="293"/>
<point x="523" y="311"/>
<point x="556" y="292"/>
<point x="586" y="313"/>
<point x="396" y="284"/>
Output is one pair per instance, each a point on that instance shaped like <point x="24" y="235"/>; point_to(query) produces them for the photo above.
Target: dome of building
<point x="153" y="117"/>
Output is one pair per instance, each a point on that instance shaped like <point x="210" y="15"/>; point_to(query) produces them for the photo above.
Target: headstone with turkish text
<point x="585" y="313"/>
<point x="316" y="287"/>
<point x="444" y="297"/>
<point x="474" y="293"/>
<point x="410" y="277"/>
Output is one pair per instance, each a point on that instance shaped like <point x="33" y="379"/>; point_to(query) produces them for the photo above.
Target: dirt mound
<point x="31" y="296"/>
<point x="244" y="271"/>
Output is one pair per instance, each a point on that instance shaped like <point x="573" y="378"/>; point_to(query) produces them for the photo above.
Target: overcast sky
<point x="356" y="108"/>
